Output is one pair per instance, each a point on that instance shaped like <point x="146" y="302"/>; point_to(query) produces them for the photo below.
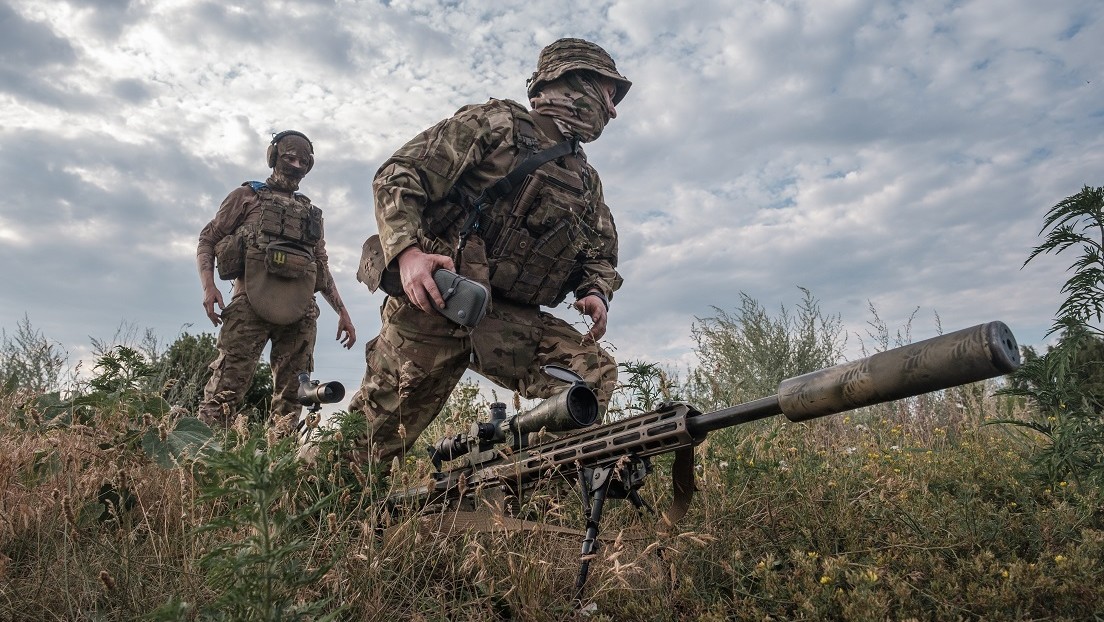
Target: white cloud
<point x="900" y="154"/>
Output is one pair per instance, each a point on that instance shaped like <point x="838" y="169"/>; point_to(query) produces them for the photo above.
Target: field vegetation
<point x="982" y="502"/>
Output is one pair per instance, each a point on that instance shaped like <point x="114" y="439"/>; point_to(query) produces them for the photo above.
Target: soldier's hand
<point x="345" y="325"/>
<point x="592" y="306"/>
<point x="416" y="271"/>
<point x="211" y="297"/>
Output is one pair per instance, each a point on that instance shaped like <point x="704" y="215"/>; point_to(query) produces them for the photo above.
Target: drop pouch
<point x="277" y="298"/>
<point x="287" y="261"/>
<point x="465" y="300"/>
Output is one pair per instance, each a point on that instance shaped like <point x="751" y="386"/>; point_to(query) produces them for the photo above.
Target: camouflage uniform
<point x="244" y="333"/>
<point x="240" y="343"/>
<point x="418" y="358"/>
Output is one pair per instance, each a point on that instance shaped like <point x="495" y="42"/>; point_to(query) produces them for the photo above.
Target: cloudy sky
<point x="896" y="154"/>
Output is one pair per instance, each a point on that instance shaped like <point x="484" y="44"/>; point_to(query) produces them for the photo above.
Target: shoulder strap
<point x="508" y="182"/>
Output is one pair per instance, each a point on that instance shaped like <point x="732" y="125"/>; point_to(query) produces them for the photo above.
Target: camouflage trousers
<point x="240" y="343"/>
<point x="417" y="359"/>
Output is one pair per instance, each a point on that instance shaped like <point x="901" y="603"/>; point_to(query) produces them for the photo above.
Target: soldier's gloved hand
<point x="416" y="271"/>
<point x="345" y="325"/>
<point x="594" y="307"/>
<point x="211" y="297"/>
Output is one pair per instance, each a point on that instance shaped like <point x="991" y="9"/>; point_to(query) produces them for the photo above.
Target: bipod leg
<point x="639" y="503"/>
<point x="594" y="484"/>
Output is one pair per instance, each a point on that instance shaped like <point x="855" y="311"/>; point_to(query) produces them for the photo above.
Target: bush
<point x="746" y="353"/>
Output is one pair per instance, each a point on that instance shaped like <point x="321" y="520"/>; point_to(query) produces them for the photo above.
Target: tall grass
<point x="912" y="510"/>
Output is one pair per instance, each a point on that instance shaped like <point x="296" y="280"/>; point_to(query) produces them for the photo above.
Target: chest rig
<point x="532" y="221"/>
<point x="286" y="220"/>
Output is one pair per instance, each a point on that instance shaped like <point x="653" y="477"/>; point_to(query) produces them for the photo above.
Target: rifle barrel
<point x="969" y="355"/>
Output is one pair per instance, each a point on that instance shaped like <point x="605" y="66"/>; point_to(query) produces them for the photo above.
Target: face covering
<point x="284" y="175"/>
<point x="577" y="103"/>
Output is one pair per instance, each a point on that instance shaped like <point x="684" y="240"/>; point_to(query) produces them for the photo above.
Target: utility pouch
<point x="287" y="261"/>
<point x="532" y="259"/>
<point x="465" y="300"/>
<point x="230" y="257"/>
<point x="374" y="273"/>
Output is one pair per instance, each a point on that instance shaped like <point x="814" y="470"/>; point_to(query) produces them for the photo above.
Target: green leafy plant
<point x="167" y="435"/>
<point x="1078" y="221"/>
<point x="643" y="388"/>
<point x="1060" y="382"/>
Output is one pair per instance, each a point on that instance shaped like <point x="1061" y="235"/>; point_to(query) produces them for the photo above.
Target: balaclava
<point x="577" y="103"/>
<point x="287" y="177"/>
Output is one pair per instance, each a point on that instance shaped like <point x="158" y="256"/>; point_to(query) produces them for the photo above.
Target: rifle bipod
<point x="616" y="481"/>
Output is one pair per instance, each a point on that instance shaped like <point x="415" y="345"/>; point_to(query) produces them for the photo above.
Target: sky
<point x="899" y="156"/>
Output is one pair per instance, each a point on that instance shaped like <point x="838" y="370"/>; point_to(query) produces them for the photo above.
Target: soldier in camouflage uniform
<point x="268" y="239"/>
<point x="549" y="237"/>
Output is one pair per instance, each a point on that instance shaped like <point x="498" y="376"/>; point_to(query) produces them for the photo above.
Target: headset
<point x="273" y="153"/>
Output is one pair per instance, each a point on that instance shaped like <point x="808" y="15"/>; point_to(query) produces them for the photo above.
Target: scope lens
<point x="582" y="405"/>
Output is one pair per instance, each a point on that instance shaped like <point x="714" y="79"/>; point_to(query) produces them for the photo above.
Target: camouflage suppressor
<point x="965" y="356"/>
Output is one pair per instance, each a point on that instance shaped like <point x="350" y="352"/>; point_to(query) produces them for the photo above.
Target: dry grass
<point x="915" y="510"/>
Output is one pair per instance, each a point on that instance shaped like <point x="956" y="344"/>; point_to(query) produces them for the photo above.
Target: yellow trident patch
<point x="279" y="257"/>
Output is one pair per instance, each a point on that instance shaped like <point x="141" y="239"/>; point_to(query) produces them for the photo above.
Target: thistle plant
<point x="261" y="565"/>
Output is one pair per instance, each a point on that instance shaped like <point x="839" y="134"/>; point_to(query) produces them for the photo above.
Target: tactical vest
<point x="535" y="235"/>
<point x="278" y="264"/>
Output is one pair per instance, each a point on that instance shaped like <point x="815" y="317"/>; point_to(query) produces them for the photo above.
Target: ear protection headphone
<point x="273" y="153"/>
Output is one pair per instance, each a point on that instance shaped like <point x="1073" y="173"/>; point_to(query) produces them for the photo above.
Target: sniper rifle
<point x="508" y="455"/>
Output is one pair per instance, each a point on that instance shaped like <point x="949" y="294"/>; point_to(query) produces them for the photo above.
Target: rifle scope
<point x="573" y="408"/>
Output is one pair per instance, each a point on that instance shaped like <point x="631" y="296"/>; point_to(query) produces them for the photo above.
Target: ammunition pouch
<point x="290" y="219"/>
<point x="531" y="262"/>
<point x="230" y="257"/>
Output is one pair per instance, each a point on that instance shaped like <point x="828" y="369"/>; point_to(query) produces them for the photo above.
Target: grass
<point x="913" y="510"/>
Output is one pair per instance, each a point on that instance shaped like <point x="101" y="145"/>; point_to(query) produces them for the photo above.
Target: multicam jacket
<point x="551" y="236"/>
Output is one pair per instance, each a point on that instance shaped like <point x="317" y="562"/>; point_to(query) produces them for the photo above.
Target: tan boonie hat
<point x="565" y="55"/>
